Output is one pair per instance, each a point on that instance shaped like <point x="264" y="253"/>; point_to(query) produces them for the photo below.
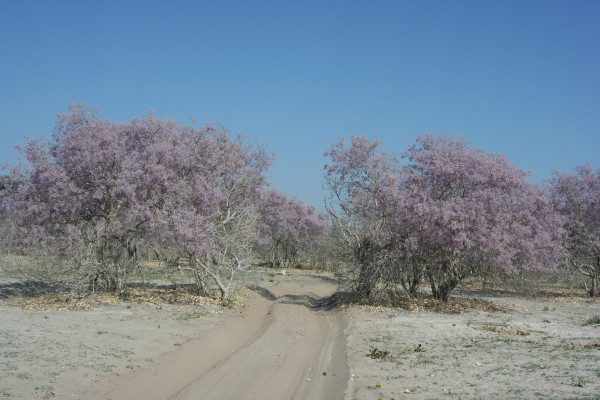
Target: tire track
<point x="290" y="345"/>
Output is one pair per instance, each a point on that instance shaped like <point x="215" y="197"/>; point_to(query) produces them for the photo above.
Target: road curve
<point x="289" y="345"/>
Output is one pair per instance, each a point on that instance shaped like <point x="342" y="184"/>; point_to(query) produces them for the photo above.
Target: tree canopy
<point x="99" y="193"/>
<point x="99" y="189"/>
<point x="441" y="211"/>
<point x="577" y="198"/>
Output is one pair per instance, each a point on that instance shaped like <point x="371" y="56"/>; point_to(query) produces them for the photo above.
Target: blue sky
<point x="515" y="77"/>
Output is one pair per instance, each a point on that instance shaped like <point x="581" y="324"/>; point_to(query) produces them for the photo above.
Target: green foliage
<point x="191" y="315"/>
<point x="595" y="320"/>
<point x="583" y="398"/>
<point x="578" y="381"/>
<point x="229" y="301"/>
<point x="378" y="354"/>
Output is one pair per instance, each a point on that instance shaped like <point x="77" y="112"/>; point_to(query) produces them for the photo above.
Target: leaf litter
<point x="70" y="301"/>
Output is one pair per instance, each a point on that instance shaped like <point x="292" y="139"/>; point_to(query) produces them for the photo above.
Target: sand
<point x="288" y="343"/>
<point x="530" y="349"/>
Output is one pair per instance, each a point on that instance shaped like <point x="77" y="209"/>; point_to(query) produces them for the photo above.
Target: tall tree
<point x="577" y="198"/>
<point x="443" y="212"/>
<point x="289" y="231"/>
<point x="100" y="189"/>
<point x="364" y="186"/>
<point x="476" y="212"/>
<point x="214" y="205"/>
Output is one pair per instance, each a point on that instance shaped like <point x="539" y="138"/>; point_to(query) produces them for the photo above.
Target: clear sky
<point x="515" y="77"/>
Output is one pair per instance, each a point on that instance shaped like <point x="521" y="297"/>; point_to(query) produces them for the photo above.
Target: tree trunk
<point x="365" y="282"/>
<point x="593" y="272"/>
<point x="594" y="290"/>
<point x="411" y="285"/>
<point x="442" y="291"/>
<point x="200" y="286"/>
<point x="214" y="275"/>
<point x="443" y="283"/>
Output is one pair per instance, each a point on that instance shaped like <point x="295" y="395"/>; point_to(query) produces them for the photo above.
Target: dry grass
<point x="421" y="303"/>
<point x="539" y="286"/>
<point x="68" y="301"/>
<point x="504" y="329"/>
<point x="577" y="346"/>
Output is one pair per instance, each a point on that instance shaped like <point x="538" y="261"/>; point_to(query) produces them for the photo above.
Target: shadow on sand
<point x="309" y="300"/>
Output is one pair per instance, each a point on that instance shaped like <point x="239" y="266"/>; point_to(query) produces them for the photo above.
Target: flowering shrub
<point x="440" y="212"/>
<point x="100" y="190"/>
<point x="577" y="198"/>
<point x="289" y="231"/>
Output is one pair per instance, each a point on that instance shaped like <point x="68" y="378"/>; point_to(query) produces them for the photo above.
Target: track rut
<point x="289" y="345"/>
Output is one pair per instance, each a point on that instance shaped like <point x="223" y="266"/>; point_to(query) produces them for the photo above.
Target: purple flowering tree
<point x="289" y="232"/>
<point x="364" y="187"/>
<point x="446" y="212"/>
<point x="476" y="213"/>
<point x="214" y="206"/>
<point x="83" y="198"/>
<point x="577" y="198"/>
<point x="101" y="190"/>
<point x="7" y="187"/>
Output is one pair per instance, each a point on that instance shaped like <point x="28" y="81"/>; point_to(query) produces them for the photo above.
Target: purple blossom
<point x="289" y="231"/>
<point x="577" y="198"/>
<point x="99" y="189"/>
<point x="446" y="212"/>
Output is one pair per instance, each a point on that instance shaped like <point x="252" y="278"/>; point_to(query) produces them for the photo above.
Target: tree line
<point x="442" y="212"/>
<point x="100" y="196"/>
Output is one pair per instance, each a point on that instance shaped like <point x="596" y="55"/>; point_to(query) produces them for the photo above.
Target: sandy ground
<point x="530" y="349"/>
<point x="288" y="344"/>
<point x="66" y="354"/>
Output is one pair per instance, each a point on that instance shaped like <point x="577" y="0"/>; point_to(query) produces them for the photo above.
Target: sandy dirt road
<point x="289" y="345"/>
